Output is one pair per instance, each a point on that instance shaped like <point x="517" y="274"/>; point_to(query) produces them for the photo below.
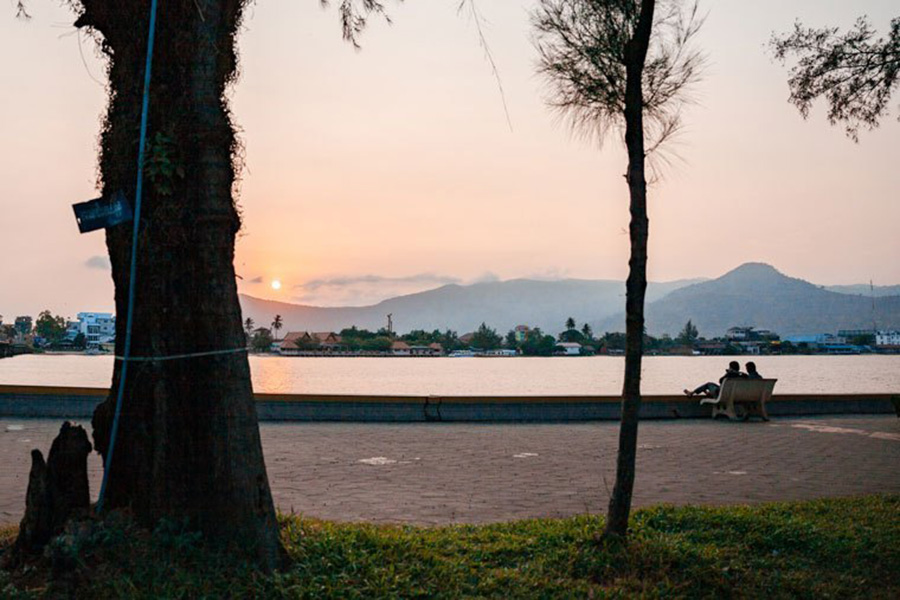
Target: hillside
<point x="864" y="289"/>
<point x="753" y="294"/>
<point x="757" y="294"/>
<point x="501" y="304"/>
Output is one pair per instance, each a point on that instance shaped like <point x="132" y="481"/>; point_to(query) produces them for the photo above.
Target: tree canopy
<point x="582" y="54"/>
<point x="689" y="334"/>
<point x="486" y="338"/>
<point x="49" y="327"/>
<point x="855" y="72"/>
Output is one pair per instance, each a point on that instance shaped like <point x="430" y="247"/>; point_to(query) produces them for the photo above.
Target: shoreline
<point x="79" y="402"/>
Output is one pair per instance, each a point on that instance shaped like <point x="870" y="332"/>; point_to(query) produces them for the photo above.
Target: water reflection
<point x="492" y="376"/>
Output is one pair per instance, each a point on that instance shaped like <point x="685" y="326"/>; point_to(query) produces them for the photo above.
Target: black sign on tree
<point x="101" y="213"/>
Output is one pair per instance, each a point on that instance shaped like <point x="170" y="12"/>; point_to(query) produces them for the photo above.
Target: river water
<point x="599" y="375"/>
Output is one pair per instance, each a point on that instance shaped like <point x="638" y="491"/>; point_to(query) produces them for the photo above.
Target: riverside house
<point x="400" y="348"/>
<point x="429" y="350"/>
<point x="319" y="341"/>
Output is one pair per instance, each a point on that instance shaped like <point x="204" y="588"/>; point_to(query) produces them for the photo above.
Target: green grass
<point x="820" y="549"/>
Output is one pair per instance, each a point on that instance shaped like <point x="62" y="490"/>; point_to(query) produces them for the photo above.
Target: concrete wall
<point x="32" y="401"/>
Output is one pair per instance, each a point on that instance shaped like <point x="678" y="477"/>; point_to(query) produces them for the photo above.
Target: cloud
<point x="257" y="279"/>
<point x="98" y="262"/>
<point x="365" y="290"/>
<point x="550" y="274"/>
<point x="338" y="282"/>
<point x="486" y="277"/>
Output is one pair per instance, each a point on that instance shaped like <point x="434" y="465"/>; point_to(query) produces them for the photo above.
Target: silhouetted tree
<point x="379" y="343"/>
<point x="538" y="344"/>
<point x="188" y="441"/>
<point x="277" y="324"/>
<point x="571" y="335"/>
<point x="51" y="328"/>
<point x="616" y="64"/>
<point x="80" y="341"/>
<point x="511" y="342"/>
<point x="587" y="332"/>
<point x="261" y="340"/>
<point x="689" y="334"/>
<point x="486" y="338"/>
<point x="853" y="71"/>
<point x="570" y="323"/>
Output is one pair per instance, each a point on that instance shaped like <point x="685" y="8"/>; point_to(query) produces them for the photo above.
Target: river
<point x="600" y="375"/>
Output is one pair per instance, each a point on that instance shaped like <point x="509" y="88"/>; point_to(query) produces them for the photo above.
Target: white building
<point x="98" y="328"/>
<point x="569" y="348"/>
<point x="887" y="338"/>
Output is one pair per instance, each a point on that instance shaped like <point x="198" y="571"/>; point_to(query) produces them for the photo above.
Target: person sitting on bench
<point x="710" y="389"/>
<point x="752" y="373"/>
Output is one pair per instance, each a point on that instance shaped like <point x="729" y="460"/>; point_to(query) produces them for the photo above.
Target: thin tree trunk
<point x="188" y="444"/>
<point x="636" y="286"/>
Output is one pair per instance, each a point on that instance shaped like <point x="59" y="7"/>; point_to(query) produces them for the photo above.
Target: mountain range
<point x="753" y="294"/>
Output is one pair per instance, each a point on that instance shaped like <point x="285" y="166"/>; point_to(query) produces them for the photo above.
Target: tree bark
<point x="188" y="443"/>
<point x="636" y="285"/>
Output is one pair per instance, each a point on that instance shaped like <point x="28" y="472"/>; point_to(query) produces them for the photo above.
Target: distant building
<point x="501" y="352"/>
<point x="887" y="338"/>
<point x="429" y="350"/>
<point x="73" y="328"/>
<point x="750" y="334"/>
<point x="764" y="335"/>
<point x="710" y="348"/>
<point x="98" y="328"/>
<point x="738" y="333"/>
<point x="320" y="341"/>
<point x="815" y="340"/>
<point x="521" y="332"/>
<point x="328" y="340"/>
<point x="401" y="349"/>
<point x="23" y="325"/>
<point x="288" y="344"/>
<point x="569" y="348"/>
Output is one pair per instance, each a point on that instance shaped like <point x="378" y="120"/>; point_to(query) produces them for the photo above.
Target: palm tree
<point x="587" y="332"/>
<point x="277" y="324"/>
<point x="248" y="326"/>
<point x="570" y="323"/>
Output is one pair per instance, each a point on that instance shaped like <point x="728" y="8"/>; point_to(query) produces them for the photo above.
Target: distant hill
<point x="501" y="304"/>
<point x="757" y="294"/>
<point x="863" y="289"/>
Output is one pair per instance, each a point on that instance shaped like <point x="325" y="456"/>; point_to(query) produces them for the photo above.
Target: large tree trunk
<point x="188" y="442"/>
<point x="636" y="286"/>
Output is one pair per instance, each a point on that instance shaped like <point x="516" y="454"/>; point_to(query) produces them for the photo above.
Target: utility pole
<point x="872" y="292"/>
<point x="390" y="327"/>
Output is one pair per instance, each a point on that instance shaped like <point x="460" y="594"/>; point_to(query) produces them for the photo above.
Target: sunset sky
<point x="393" y="169"/>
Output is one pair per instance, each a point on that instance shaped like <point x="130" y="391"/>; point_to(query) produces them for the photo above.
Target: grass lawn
<point x="819" y="549"/>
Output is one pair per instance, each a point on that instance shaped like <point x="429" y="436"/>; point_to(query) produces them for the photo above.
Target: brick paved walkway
<point x="449" y="473"/>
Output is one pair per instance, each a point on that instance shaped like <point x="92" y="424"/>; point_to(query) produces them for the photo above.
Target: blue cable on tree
<point x="132" y="274"/>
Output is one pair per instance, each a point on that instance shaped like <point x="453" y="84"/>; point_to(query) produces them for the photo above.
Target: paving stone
<point x="477" y="473"/>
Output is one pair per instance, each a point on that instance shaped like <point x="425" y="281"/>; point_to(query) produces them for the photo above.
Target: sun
<point x="276" y="285"/>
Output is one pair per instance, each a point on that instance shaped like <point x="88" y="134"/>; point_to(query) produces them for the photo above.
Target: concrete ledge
<point x="71" y="402"/>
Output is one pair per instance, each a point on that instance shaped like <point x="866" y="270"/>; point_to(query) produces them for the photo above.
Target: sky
<point x="394" y="168"/>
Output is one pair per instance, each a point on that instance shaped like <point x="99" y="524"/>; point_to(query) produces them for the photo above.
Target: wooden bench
<point x="739" y="398"/>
